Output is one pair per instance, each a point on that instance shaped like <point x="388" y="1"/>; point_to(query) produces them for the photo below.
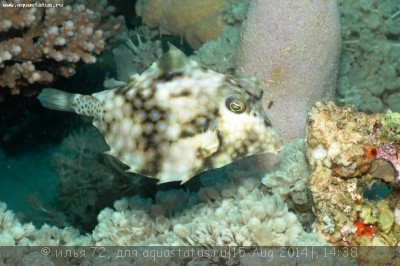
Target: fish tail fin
<point x="70" y="102"/>
<point x="57" y="100"/>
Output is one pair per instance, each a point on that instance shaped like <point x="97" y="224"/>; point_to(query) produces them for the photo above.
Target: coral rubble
<point x="39" y="43"/>
<point x="354" y="188"/>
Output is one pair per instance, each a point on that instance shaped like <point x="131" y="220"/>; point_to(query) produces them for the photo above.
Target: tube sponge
<point x="293" y="49"/>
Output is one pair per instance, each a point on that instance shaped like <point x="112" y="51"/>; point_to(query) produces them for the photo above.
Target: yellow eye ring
<point x="235" y="104"/>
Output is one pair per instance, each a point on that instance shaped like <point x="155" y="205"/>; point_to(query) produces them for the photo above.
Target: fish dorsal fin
<point x="124" y="61"/>
<point x="173" y="61"/>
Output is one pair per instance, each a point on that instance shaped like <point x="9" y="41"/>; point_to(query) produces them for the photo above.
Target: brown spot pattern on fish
<point x="176" y="119"/>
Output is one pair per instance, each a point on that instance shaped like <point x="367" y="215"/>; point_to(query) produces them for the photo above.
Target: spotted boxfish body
<point x="176" y="119"/>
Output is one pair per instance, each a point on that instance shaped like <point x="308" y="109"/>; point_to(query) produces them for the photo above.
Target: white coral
<point x="251" y="219"/>
<point x="12" y="232"/>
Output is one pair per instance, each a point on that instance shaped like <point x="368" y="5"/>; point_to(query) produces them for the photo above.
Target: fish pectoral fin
<point x="210" y="144"/>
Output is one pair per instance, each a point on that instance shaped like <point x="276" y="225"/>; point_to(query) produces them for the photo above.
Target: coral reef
<point x="83" y="250"/>
<point x="354" y="188"/>
<point x="292" y="47"/>
<point x="39" y="43"/>
<point x="245" y="215"/>
<point x="369" y="67"/>
<point x="197" y="21"/>
<point x="225" y="196"/>
<point x="165" y="216"/>
<point x="352" y="172"/>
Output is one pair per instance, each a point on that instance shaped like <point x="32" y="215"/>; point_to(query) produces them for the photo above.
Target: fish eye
<point x="235" y="104"/>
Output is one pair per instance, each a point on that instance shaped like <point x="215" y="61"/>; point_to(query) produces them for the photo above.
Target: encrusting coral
<point x="39" y="43"/>
<point x="355" y="189"/>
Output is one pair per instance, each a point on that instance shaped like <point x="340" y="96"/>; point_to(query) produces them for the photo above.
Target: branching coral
<point x="39" y="43"/>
